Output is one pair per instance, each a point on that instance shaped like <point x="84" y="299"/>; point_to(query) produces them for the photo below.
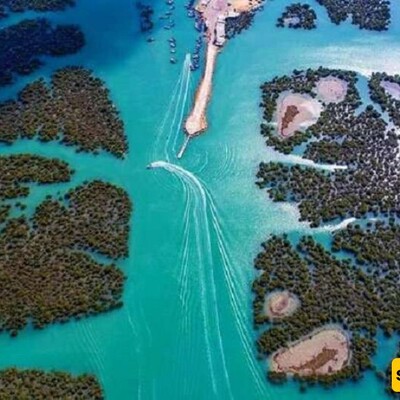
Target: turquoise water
<point x="185" y="331"/>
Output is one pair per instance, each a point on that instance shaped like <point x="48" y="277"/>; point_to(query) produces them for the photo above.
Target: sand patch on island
<point x="296" y="112"/>
<point x="281" y="304"/>
<point x="331" y="89"/>
<point x="244" y="5"/>
<point x="392" y="89"/>
<point x="323" y="352"/>
<point x="291" y="21"/>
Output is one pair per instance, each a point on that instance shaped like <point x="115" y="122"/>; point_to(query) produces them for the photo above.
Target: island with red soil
<point x="318" y="307"/>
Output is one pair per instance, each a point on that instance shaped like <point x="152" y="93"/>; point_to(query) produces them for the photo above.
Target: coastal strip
<point x="197" y="121"/>
<point x="324" y="351"/>
<point x="214" y="14"/>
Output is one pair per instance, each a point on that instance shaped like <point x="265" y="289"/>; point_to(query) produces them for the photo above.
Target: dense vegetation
<point x="376" y="245"/>
<point x="23" y="45"/>
<point x="235" y="25"/>
<point x="17" y="171"/>
<point x="38" y="385"/>
<point x="389" y="104"/>
<point x="362" y="143"/>
<point x="75" y="109"/>
<point x="330" y="292"/>
<point x="47" y="265"/>
<point x="95" y="218"/>
<point x="46" y="278"/>
<point x="371" y="14"/>
<point x="303" y="82"/>
<point x="47" y="270"/>
<point x="146" y="16"/>
<point x="297" y="16"/>
<point x="34" y="5"/>
<point x="359" y="293"/>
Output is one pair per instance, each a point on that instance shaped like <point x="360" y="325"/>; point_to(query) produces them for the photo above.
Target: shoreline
<point x="196" y="122"/>
<point x="214" y="14"/>
<point x="308" y="355"/>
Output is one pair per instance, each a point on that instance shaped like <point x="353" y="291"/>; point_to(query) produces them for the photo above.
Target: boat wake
<point x="202" y="224"/>
<point x="168" y="133"/>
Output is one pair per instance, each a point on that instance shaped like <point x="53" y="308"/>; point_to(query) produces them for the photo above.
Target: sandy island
<point x="214" y="14"/>
<point x="392" y="89"/>
<point x="196" y="121"/>
<point x="296" y="111"/>
<point x="331" y="89"/>
<point x="281" y="304"/>
<point x="323" y="352"/>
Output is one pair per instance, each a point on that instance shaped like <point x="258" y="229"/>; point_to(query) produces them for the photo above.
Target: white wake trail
<point x="233" y="277"/>
<point x="187" y="76"/>
<point x="167" y="116"/>
<point x="176" y="124"/>
<point x="175" y="108"/>
<point x="338" y="226"/>
<point x="205" y="265"/>
<point x="293" y="159"/>
<point x="233" y="280"/>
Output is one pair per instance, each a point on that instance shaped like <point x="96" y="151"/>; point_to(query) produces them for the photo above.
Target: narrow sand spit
<point x="392" y="88"/>
<point x="291" y="20"/>
<point x="323" y="352"/>
<point x="197" y="122"/>
<point x="281" y="304"/>
<point x="331" y="89"/>
<point x="296" y="112"/>
<point x="214" y="14"/>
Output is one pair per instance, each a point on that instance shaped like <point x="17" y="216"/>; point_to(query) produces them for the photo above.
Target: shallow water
<point x="185" y="331"/>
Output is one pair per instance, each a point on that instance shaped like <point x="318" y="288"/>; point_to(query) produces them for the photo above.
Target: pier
<point x="197" y="121"/>
<point x="213" y="14"/>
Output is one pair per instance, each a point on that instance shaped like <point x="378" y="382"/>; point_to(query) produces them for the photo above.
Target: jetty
<point x="213" y="14"/>
<point x="196" y="122"/>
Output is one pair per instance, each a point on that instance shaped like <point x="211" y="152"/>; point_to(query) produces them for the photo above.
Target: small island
<point x="385" y="90"/>
<point x="336" y="341"/>
<point x="346" y="290"/>
<point x="50" y="272"/>
<point x="46" y="264"/>
<point x="281" y="304"/>
<point x="360" y="186"/>
<point x="298" y="16"/>
<point x="7" y="6"/>
<point x="371" y="15"/>
<point x="75" y="109"/>
<point x="323" y="352"/>
<point x="16" y="384"/>
<point x="48" y="267"/>
<point x="34" y="39"/>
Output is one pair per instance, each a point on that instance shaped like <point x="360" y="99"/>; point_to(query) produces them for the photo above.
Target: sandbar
<point x="213" y="14"/>
<point x="323" y="352"/>
<point x="296" y="112"/>
<point x="331" y="89"/>
<point x="244" y="5"/>
<point x="391" y="88"/>
<point x="196" y="121"/>
<point x="281" y="304"/>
